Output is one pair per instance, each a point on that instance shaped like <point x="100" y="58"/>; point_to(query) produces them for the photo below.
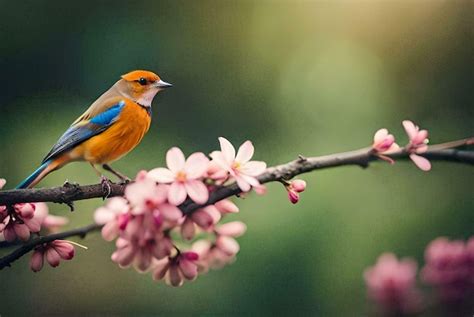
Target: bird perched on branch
<point x="112" y="126"/>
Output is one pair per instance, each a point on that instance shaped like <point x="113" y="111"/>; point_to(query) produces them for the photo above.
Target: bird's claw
<point x="106" y="188"/>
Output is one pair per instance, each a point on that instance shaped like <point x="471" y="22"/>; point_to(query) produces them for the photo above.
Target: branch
<point x="70" y="193"/>
<point x="31" y="244"/>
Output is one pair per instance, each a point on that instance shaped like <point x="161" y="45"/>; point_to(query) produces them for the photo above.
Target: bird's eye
<point x="142" y="81"/>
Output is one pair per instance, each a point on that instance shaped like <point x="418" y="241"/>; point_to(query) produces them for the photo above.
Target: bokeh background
<point x="295" y="77"/>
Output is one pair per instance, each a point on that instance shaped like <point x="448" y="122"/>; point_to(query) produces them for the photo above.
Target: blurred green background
<point x="294" y="77"/>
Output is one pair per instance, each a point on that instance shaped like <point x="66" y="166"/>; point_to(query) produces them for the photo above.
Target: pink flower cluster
<point x="450" y="268"/>
<point x="20" y="220"/>
<point x="147" y="221"/>
<point x="53" y="252"/>
<point x="294" y="188"/>
<point x="384" y="143"/>
<point x="391" y="283"/>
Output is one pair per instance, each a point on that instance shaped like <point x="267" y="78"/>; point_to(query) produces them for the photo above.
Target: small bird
<point x="112" y="126"/>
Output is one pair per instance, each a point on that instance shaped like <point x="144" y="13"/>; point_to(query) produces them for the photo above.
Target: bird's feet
<point x="123" y="178"/>
<point x="106" y="186"/>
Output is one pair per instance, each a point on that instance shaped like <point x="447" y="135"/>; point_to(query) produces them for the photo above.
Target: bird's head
<point x="142" y="86"/>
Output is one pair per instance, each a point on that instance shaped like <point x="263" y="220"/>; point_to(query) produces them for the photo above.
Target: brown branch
<point x="31" y="244"/>
<point x="68" y="194"/>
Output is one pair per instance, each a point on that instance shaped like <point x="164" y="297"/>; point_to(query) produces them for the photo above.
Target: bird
<point x="110" y="128"/>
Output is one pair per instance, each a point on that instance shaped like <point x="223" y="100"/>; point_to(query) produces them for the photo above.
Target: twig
<point x="31" y="244"/>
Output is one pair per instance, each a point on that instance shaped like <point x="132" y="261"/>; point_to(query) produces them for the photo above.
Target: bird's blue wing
<point x="83" y="131"/>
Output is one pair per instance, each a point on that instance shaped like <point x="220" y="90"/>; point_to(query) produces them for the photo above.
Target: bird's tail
<point x="46" y="168"/>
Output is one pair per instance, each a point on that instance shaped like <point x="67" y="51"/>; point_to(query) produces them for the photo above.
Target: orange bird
<point x="112" y="126"/>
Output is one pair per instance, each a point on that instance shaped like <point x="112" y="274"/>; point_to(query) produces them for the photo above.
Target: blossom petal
<point x="410" y="129"/>
<point x="196" y="165"/>
<point x="421" y="162"/>
<point x="110" y="231"/>
<point x="251" y="180"/>
<point x="161" y="175"/>
<point x="197" y="191"/>
<point x="2" y="182"/>
<point x="188" y="269"/>
<point x="173" y="277"/>
<point x="220" y="160"/>
<point x="380" y="135"/>
<point x="228" y="245"/>
<point x="226" y="206"/>
<point x="34" y="225"/>
<point x="160" y="269"/>
<point x="175" y="159"/>
<point x="170" y="212"/>
<point x="188" y="229"/>
<point x="421" y="149"/>
<point x="245" y="152"/>
<point x="232" y="229"/>
<point x="36" y="262"/>
<point x="421" y="136"/>
<point x="177" y="193"/>
<point x="103" y="215"/>
<point x="64" y="249"/>
<point x="242" y="183"/>
<point x="254" y="168"/>
<point x="52" y="256"/>
<point x="22" y="231"/>
<point x="227" y="149"/>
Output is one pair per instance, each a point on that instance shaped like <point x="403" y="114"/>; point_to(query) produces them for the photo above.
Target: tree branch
<point x="31" y="244"/>
<point x="69" y="193"/>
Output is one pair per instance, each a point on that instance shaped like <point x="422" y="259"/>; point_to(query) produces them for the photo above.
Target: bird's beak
<point x="162" y="84"/>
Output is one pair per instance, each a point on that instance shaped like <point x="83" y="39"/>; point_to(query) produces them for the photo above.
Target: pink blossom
<point x="223" y="251"/>
<point x="226" y="206"/>
<point x="384" y="142"/>
<point x="144" y="195"/>
<point x="449" y="268"/>
<point x="293" y="196"/>
<point x="391" y="284"/>
<point x="294" y="188"/>
<point x="140" y="249"/>
<point x="50" y="222"/>
<point x="183" y="175"/>
<point x="53" y="252"/>
<point x="175" y="270"/>
<point x="239" y="166"/>
<point x="418" y="140"/>
<point x="24" y="218"/>
<point x="113" y="216"/>
<point x="205" y="218"/>
<point x="20" y="223"/>
<point x="215" y="172"/>
<point x="232" y="229"/>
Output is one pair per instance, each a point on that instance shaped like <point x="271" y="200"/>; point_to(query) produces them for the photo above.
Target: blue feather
<point x="111" y="114"/>
<point x="79" y="133"/>
<point x="33" y="176"/>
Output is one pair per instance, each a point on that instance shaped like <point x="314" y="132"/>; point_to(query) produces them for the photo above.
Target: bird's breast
<point x="122" y="136"/>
